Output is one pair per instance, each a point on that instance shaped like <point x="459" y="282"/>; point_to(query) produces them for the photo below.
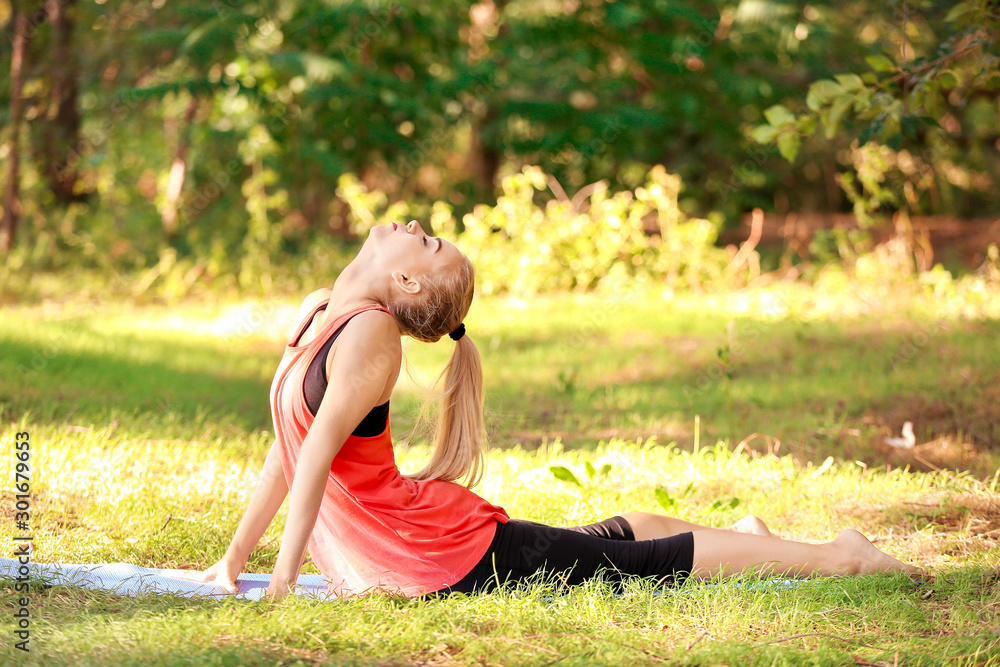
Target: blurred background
<point x="732" y="256"/>
<point x="181" y="146"/>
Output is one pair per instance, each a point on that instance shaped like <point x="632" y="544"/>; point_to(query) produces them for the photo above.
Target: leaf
<point x="729" y="504"/>
<point x="590" y="469"/>
<point x="564" y="474"/>
<point x="890" y="127"/>
<point x="666" y="501"/>
<point x="881" y="63"/>
<point x="863" y="103"/>
<point x="779" y="115"/>
<point x="605" y="469"/>
<point x="850" y="82"/>
<point x="821" y="92"/>
<point x="806" y="125"/>
<point x="961" y="10"/>
<point x="788" y="145"/>
<point x="947" y="79"/>
<point x="837" y="111"/>
<point x="764" y="134"/>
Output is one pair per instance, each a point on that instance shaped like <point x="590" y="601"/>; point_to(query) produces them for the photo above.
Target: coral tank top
<point x="376" y="529"/>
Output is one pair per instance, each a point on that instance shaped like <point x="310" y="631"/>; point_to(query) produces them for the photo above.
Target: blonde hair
<point x="440" y="306"/>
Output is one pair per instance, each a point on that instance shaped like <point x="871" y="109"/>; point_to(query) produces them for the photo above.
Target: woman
<point x="369" y="528"/>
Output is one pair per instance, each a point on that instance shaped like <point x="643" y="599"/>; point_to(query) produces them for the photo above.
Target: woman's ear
<point x="405" y="283"/>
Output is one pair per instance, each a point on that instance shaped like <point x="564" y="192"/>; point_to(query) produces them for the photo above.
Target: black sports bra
<point x="315" y="383"/>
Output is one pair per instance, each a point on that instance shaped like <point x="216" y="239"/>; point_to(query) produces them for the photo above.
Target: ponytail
<point x="461" y="434"/>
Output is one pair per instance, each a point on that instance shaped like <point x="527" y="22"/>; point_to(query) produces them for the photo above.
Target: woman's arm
<point x="267" y="498"/>
<point x="264" y="504"/>
<point x="271" y="487"/>
<point x="359" y="376"/>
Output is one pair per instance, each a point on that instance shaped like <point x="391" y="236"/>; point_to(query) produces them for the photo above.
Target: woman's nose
<point x="413" y="227"/>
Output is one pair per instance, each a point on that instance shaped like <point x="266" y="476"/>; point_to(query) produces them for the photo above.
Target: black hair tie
<point x="458" y="332"/>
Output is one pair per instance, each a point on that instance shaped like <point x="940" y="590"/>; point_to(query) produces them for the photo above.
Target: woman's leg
<point x="521" y="548"/>
<point x="649" y="526"/>
<point x="719" y="553"/>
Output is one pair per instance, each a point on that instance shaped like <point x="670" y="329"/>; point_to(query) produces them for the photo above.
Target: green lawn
<point x="149" y="425"/>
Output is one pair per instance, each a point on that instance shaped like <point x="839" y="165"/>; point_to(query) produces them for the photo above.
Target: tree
<point x="59" y="131"/>
<point x="21" y="20"/>
<point x="930" y="102"/>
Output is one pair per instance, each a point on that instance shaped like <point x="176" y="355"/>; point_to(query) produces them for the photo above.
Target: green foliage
<point x="595" y="240"/>
<point x="303" y="109"/>
<point x="672" y="504"/>
<point x="424" y="103"/>
<point x="893" y="100"/>
<point x="594" y="475"/>
<point x="588" y="489"/>
<point x="728" y="504"/>
<point x="564" y="474"/>
<point x="897" y="107"/>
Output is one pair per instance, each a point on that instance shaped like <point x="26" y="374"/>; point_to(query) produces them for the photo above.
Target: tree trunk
<point x="12" y="201"/>
<point x="61" y="143"/>
<point x="178" y="170"/>
<point x="484" y="157"/>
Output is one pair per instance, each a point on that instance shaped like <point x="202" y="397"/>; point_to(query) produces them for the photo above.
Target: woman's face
<point x="406" y="251"/>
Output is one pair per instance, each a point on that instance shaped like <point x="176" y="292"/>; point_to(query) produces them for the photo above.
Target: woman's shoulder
<point x="313" y="299"/>
<point x="368" y="347"/>
<point x="372" y="326"/>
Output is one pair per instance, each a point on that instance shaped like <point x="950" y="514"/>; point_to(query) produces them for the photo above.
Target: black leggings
<point x="522" y="548"/>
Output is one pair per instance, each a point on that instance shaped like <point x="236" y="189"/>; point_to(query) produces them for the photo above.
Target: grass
<point x="149" y="424"/>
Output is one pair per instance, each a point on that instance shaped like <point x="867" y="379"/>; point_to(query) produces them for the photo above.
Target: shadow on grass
<point x="144" y="383"/>
<point x="821" y="389"/>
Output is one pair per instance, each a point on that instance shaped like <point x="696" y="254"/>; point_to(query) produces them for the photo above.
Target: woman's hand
<point x="223" y="574"/>
<point x="276" y="590"/>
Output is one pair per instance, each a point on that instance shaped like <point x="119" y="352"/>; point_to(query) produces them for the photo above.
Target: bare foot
<point x="750" y="525"/>
<point x="868" y="558"/>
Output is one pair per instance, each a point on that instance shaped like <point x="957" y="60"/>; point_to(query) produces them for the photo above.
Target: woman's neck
<point x="354" y="287"/>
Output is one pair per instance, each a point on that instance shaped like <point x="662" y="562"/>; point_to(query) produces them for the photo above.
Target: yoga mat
<point x="131" y="580"/>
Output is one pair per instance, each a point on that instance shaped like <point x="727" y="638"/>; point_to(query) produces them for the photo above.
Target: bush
<point x="529" y="243"/>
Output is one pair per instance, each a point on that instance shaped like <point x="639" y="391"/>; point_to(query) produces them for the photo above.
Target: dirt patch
<point x="971" y="523"/>
<point x="976" y="515"/>
<point x="55" y="512"/>
<point x="971" y="415"/>
<point x="932" y="235"/>
<point x="937" y="524"/>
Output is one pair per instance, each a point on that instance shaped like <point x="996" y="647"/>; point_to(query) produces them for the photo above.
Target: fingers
<point x="276" y="593"/>
<point x="206" y="577"/>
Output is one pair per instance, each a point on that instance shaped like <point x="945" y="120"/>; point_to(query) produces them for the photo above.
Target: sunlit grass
<point x="150" y="425"/>
<point x="944" y="522"/>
